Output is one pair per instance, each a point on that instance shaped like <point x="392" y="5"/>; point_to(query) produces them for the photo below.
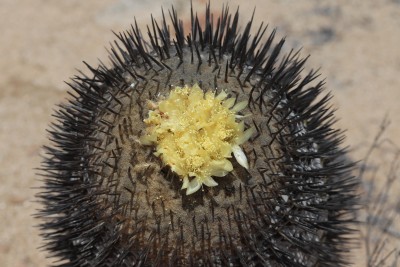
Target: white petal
<point x="208" y="181"/>
<point x="242" y="116"/>
<point x="185" y="182"/>
<point x="239" y="106"/>
<point x="194" y="186"/>
<point x="240" y="156"/>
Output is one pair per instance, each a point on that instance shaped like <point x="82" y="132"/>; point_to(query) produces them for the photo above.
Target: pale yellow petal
<point x="209" y="181"/>
<point x="245" y="136"/>
<point x="239" y="106"/>
<point x="221" y="96"/>
<point x="220" y="168"/>
<point x="229" y="102"/>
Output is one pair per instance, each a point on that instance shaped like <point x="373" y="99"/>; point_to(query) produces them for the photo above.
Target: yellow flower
<point x="195" y="133"/>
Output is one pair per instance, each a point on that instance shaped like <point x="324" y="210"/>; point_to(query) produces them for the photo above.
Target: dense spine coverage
<point x="108" y="201"/>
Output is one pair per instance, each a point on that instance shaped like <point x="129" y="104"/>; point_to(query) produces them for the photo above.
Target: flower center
<point x="195" y="133"/>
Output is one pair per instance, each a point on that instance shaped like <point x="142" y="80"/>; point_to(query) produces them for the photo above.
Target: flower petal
<point x="220" y="168"/>
<point x="229" y="102"/>
<point x="239" y="106"/>
<point x="221" y="96"/>
<point x="240" y="156"/>
<point x="194" y="186"/>
<point x="209" y="181"/>
<point x="185" y="182"/>
<point x="242" y="116"/>
<point x="245" y="136"/>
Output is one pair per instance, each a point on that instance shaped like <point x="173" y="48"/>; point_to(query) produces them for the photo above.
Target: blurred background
<point x="43" y="43"/>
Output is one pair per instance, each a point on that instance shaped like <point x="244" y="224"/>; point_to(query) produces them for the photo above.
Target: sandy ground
<point x="42" y="42"/>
